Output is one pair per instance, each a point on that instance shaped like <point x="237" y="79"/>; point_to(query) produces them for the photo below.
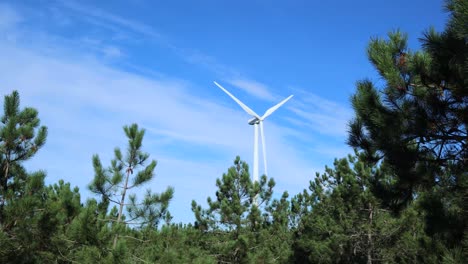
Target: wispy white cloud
<point x="110" y="18"/>
<point x="122" y="28"/>
<point x="317" y="113"/>
<point x="205" y="61"/>
<point x="325" y="105"/>
<point x="112" y="52"/>
<point x="254" y="88"/>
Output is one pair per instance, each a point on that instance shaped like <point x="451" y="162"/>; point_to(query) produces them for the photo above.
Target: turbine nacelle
<point x="254" y="121"/>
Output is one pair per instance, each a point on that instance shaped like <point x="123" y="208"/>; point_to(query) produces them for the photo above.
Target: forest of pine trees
<point x="401" y="197"/>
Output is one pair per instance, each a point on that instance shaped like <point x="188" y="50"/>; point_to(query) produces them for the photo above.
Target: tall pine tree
<point x="23" y="207"/>
<point x="417" y="123"/>
<point x="21" y="136"/>
<point x="242" y="224"/>
<point x="341" y="220"/>
<point x="115" y="182"/>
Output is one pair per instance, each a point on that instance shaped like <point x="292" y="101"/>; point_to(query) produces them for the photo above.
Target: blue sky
<point x="91" y="67"/>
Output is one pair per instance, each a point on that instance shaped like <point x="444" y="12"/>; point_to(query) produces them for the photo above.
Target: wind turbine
<point x="256" y="121"/>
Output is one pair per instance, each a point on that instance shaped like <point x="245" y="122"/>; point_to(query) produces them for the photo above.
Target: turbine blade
<point x="274" y="108"/>
<point x="246" y="108"/>
<point x="263" y="148"/>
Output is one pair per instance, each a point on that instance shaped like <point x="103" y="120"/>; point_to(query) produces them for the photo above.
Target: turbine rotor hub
<point x="254" y="121"/>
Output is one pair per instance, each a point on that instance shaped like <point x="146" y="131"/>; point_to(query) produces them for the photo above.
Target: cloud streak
<point x="111" y="19"/>
<point x="319" y="114"/>
<point x="254" y="88"/>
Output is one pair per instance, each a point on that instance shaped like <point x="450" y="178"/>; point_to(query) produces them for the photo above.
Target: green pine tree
<point x="342" y="221"/>
<point x="417" y="124"/>
<point x="242" y="225"/>
<point x="174" y="243"/>
<point x="114" y="183"/>
<point x="23" y="212"/>
<point x="21" y="136"/>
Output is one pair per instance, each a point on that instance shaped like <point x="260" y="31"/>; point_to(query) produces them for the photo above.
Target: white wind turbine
<point x="256" y="121"/>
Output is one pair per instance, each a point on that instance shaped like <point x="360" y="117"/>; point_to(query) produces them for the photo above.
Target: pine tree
<point x="418" y="124"/>
<point x="342" y="221"/>
<point x="242" y="225"/>
<point x="88" y="236"/>
<point x="114" y="183"/>
<point x="20" y="138"/>
<point x="22" y="194"/>
<point x="174" y="243"/>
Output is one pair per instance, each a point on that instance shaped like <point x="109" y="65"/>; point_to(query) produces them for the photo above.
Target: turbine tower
<point x="256" y="121"/>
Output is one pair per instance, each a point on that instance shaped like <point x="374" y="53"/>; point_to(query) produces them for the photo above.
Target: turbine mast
<point x="255" y="163"/>
<point x="262" y="134"/>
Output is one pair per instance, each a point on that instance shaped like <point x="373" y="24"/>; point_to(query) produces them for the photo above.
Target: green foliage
<point x="20" y="138"/>
<point x="347" y="223"/>
<point x="417" y="125"/>
<point x="172" y="244"/>
<point x="23" y="207"/>
<point x="242" y="225"/>
<point x="113" y="183"/>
